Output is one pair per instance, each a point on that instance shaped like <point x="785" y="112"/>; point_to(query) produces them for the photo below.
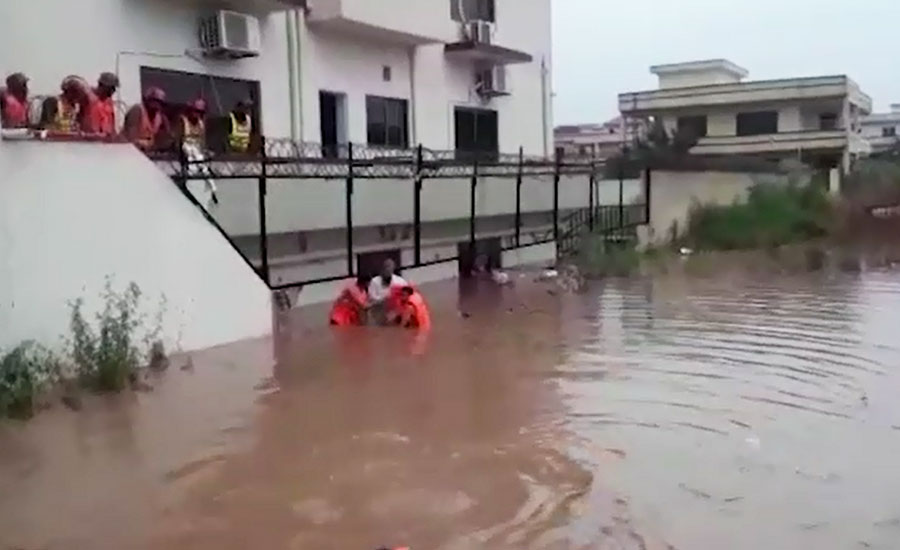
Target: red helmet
<point x="155" y="94"/>
<point x="198" y="105"/>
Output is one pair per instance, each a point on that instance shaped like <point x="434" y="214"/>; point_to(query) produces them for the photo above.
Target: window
<point x="387" y="122"/>
<point x="828" y="121"/>
<point x="481" y="10"/>
<point x="758" y="123"/>
<point x="476" y="132"/>
<point x="693" y="125"/>
<point x="889" y="131"/>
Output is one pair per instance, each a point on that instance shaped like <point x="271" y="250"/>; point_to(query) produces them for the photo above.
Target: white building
<point x="816" y="119"/>
<point x="882" y="129"/>
<point x="598" y="141"/>
<point x="410" y="70"/>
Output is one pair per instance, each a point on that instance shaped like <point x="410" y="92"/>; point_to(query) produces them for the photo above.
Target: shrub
<point x="106" y="357"/>
<point x="771" y="216"/>
<point x="25" y="372"/>
<point x="599" y="258"/>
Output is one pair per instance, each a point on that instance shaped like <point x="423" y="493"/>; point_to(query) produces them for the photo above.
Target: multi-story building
<point x="449" y="74"/>
<point x="815" y="119"/>
<point x="882" y="129"/>
<point x="597" y="141"/>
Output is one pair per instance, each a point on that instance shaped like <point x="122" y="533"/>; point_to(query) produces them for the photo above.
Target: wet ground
<point x="738" y="412"/>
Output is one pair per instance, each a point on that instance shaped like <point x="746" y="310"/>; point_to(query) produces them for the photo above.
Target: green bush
<point x="106" y="357"/>
<point x="772" y="216"/>
<point x="25" y="372"/>
<point x="599" y="258"/>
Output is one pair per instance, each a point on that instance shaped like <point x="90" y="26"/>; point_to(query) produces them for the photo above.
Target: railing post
<point x="348" y="206"/>
<point x="591" y="199"/>
<point x="417" y="208"/>
<point x="621" y="193"/>
<point x="519" y="199"/>
<point x="262" y="191"/>
<point x="474" y="183"/>
<point x="647" y="196"/>
<point x="556" y="198"/>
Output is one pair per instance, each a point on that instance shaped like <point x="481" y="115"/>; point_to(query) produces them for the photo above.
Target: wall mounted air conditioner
<point x="492" y="82"/>
<point x="230" y="35"/>
<point x="481" y="32"/>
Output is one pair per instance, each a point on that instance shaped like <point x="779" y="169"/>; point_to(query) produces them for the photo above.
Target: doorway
<point x="332" y="122"/>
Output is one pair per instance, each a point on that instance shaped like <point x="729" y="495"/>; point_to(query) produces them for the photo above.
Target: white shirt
<point x="378" y="291"/>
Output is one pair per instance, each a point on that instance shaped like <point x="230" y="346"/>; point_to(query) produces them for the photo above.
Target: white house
<point x="816" y="119"/>
<point x="882" y="129"/>
<point x="597" y="141"/>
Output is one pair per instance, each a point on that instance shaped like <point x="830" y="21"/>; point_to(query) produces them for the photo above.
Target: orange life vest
<point x="15" y="112"/>
<point x="101" y="117"/>
<point x="347" y="309"/>
<point x="419" y="317"/>
<point x="149" y="129"/>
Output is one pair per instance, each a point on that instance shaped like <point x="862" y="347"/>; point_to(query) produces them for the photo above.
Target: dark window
<point x="828" y="121"/>
<point x="889" y="131"/>
<point x="693" y="125"/>
<point x="386" y="73"/>
<point x="476" y="132"/>
<point x="480" y="10"/>
<point x="387" y="122"/>
<point x="221" y="95"/>
<point x="758" y="123"/>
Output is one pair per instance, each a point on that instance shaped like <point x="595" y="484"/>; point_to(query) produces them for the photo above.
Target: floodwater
<point x="662" y="412"/>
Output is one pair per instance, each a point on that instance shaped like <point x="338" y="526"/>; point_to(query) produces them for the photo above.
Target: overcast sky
<point x="603" y="47"/>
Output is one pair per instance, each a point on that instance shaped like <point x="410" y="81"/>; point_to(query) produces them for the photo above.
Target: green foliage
<point x="599" y="258"/>
<point x="772" y="216"/>
<point x="106" y="356"/>
<point x="25" y="372"/>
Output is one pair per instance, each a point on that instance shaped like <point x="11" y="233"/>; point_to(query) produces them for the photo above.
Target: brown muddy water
<point x="737" y="412"/>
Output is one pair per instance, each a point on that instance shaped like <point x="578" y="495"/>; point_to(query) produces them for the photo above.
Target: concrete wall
<point x="674" y="194"/>
<point x="72" y="215"/>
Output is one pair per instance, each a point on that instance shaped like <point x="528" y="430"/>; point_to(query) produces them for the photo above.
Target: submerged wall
<point x="72" y="215"/>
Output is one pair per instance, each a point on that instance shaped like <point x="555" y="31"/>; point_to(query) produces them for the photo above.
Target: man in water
<point x="380" y="300"/>
<point x="350" y="307"/>
<point x="413" y="312"/>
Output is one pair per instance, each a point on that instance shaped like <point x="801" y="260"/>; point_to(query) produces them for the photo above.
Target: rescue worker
<point x="14" y="101"/>
<point x="101" y="114"/>
<point x="241" y="127"/>
<point x="381" y="301"/>
<point x="413" y="311"/>
<point x="191" y="128"/>
<point x="65" y="114"/>
<point x="145" y="123"/>
<point x="350" y="307"/>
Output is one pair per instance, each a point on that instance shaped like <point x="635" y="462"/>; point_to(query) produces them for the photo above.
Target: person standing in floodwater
<point x="381" y="301"/>
<point x="350" y="307"/>
<point x="412" y="312"/>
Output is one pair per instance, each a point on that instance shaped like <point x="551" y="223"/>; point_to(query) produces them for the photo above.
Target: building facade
<point x="449" y="74"/>
<point x="597" y="141"/>
<point x="816" y="119"/>
<point x="882" y="129"/>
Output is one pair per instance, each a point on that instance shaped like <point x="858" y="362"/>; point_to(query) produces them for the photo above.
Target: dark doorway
<point x="370" y="263"/>
<point x="328" y="120"/>
<point x="491" y="249"/>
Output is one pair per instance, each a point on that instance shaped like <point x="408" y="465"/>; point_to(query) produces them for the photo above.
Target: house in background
<point x="882" y="129"/>
<point x="814" y="119"/>
<point x="597" y="141"/>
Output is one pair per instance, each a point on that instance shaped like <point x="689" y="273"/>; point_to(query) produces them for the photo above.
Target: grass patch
<point x="771" y="216"/>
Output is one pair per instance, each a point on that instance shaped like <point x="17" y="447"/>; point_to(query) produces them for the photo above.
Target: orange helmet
<point x="154" y="93"/>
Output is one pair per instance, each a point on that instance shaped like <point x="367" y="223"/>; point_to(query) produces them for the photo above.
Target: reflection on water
<point x="657" y="413"/>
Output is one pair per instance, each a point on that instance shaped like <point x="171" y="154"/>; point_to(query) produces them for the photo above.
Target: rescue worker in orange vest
<point x="145" y="123"/>
<point x="413" y="310"/>
<point x="101" y="113"/>
<point x="191" y="127"/>
<point x="350" y="307"/>
<point x="14" y="102"/>
<point x="241" y="127"/>
<point x="64" y="114"/>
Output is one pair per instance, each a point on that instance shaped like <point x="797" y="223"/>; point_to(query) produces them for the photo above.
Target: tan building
<point x="599" y="141"/>
<point x="882" y="129"/>
<point x="815" y="119"/>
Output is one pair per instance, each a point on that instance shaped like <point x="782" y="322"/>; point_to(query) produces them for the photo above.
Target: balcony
<point x="408" y="22"/>
<point x="771" y="143"/>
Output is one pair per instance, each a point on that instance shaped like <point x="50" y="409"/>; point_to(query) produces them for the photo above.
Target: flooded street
<point x="650" y="413"/>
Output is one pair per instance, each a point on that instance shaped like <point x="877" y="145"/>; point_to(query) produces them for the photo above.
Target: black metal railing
<point x="283" y="159"/>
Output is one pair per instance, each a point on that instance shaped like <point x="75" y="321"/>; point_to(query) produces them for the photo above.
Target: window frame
<point x="685" y="122"/>
<point x="386" y="105"/>
<point x="749" y="127"/>
<point x="479" y="115"/>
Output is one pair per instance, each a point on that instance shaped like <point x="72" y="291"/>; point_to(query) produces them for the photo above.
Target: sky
<point x="604" y="47"/>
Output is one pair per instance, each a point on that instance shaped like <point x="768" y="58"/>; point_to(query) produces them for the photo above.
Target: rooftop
<point x="704" y="65"/>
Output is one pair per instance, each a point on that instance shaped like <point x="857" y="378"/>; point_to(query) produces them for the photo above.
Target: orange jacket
<point x="348" y="308"/>
<point x="101" y="116"/>
<point x="415" y="312"/>
<point x="15" y="112"/>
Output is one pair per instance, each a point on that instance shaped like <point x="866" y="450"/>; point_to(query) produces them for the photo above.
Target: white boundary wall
<point x="72" y="215"/>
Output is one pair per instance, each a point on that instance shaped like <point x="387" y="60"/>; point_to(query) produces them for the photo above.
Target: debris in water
<point x="465" y="314"/>
<point x="548" y="274"/>
<point x="685" y="251"/>
<point x="159" y="361"/>
<point x="695" y="492"/>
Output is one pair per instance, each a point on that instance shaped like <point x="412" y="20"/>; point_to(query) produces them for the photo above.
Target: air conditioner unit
<point x="231" y="35"/>
<point x="492" y="82"/>
<point x="481" y="31"/>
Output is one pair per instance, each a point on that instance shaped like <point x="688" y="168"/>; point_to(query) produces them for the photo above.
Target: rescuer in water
<point x="412" y="311"/>
<point x="350" y="307"/>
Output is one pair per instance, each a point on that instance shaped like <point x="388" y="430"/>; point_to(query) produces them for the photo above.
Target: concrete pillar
<point x="834" y="182"/>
